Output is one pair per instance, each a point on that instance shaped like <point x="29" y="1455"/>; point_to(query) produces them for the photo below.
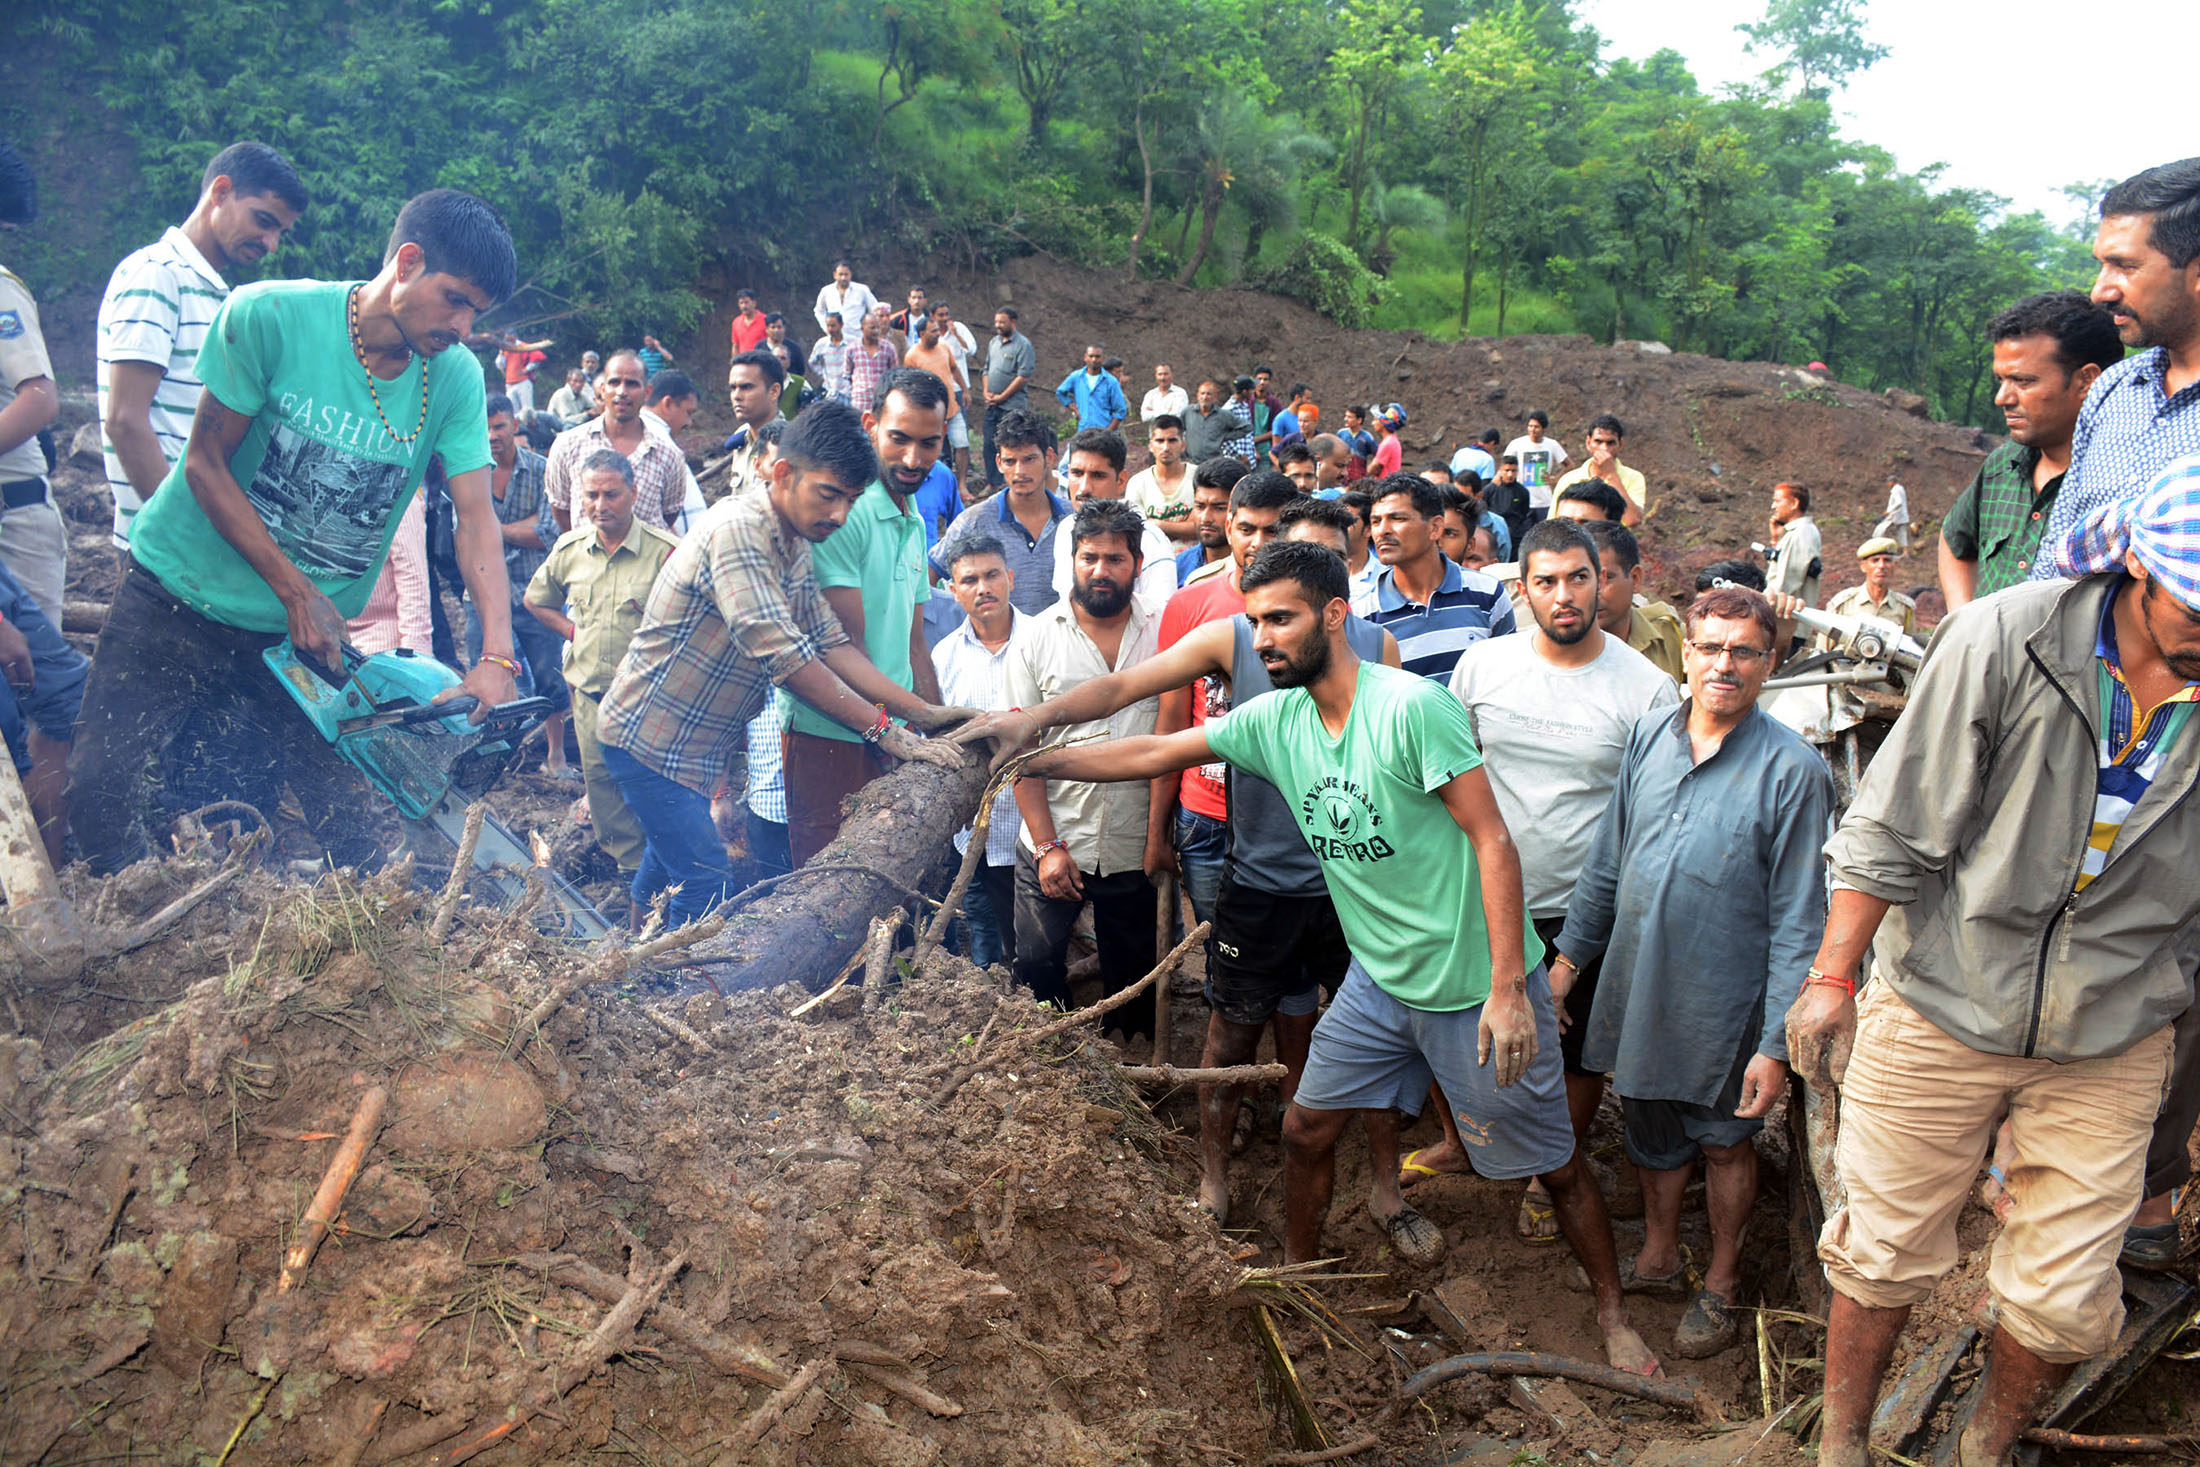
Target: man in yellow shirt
<point x="590" y="590"/>
<point x="1605" y="437"/>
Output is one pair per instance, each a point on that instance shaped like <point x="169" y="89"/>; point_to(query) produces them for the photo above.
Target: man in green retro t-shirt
<point x="324" y="402"/>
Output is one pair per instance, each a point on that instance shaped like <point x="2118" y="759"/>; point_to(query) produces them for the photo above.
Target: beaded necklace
<point x="359" y="349"/>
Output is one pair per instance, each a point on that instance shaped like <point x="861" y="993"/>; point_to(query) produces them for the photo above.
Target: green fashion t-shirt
<point x="318" y="464"/>
<point x="1401" y="871"/>
<point x="879" y="552"/>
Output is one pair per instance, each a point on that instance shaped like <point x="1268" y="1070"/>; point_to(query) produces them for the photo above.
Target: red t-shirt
<point x="748" y="335"/>
<point x="517" y="363"/>
<point x="1212" y="599"/>
<point x="1388" y="455"/>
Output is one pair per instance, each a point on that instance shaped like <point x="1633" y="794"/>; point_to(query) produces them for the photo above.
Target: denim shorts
<point x="1372" y="1052"/>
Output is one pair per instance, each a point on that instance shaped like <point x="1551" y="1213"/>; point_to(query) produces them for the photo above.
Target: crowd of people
<point x="1478" y="826"/>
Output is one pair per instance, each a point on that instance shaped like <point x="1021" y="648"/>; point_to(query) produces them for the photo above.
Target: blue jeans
<point x="58" y="672"/>
<point x="1202" y="844"/>
<point x="683" y="844"/>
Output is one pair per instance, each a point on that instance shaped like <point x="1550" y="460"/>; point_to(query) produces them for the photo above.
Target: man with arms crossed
<point x="1385" y="780"/>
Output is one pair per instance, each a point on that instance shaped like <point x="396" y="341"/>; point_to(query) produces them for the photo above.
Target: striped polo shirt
<point x="159" y="302"/>
<point x="1465" y="609"/>
<point x="2134" y="741"/>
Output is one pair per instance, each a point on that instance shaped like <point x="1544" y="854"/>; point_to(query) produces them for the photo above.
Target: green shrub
<point x="1319" y="271"/>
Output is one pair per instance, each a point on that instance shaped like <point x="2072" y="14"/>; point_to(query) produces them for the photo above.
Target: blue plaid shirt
<point x="2129" y="430"/>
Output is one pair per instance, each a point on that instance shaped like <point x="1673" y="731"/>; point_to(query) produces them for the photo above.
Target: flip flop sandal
<point x="2153" y="1245"/>
<point x="1412" y="1169"/>
<point x="1537" y="1222"/>
<point x="1416" y="1239"/>
<point x="1667" y="1285"/>
<point x="1712" y="1324"/>
<point x="1242" y="1131"/>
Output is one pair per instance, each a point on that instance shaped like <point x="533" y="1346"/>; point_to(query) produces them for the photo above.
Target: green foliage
<point x="1320" y="272"/>
<point x="1445" y="165"/>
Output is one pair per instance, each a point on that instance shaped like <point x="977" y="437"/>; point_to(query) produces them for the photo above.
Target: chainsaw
<point x="427" y="759"/>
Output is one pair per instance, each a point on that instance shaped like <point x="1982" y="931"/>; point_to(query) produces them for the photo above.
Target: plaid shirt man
<point x="2129" y="430"/>
<point x="1998" y="521"/>
<point x="734" y="611"/>
<point x="660" y="472"/>
<point x="866" y="369"/>
<point x="524" y="500"/>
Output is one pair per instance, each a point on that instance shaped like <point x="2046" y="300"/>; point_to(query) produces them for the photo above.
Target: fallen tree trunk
<point x="900" y="827"/>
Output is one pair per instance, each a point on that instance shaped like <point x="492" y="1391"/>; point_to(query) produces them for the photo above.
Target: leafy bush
<point x="1319" y="271"/>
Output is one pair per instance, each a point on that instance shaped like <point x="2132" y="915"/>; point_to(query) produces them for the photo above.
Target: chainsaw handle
<point x="429" y="712"/>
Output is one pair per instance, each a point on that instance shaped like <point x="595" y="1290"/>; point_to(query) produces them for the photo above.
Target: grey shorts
<point x="1371" y="1052"/>
<point x="1666" y="1135"/>
<point x="958" y="431"/>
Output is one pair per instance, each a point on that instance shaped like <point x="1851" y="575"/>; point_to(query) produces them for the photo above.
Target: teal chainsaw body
<point x="428" y="759"/>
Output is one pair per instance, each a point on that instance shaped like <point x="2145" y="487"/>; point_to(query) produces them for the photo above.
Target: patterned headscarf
<point x="1392" y="417"/>
<point x="2160" y="525"/>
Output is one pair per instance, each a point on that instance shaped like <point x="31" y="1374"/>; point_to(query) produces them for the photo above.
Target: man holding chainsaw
<point x="323" y="403"/>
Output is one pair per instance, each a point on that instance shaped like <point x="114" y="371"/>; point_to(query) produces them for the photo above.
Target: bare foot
<point x="1214" y="1199"/>
<point x="1625" y="1350"/>
<point x="1441" y="1160"/>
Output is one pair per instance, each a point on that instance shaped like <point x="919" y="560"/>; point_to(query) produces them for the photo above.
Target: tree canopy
<point x="1450" y="165"/>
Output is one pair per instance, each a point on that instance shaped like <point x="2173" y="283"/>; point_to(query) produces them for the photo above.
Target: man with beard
<point x="1551" y="712"/>
<point x="2049" y="349"/>
<point x="1276" y="943"/>
<point x="736" y="610"/>
<point x="1088" y="841"/>
<point x="1381" y="775"/>
<point x="2144" y="412"/>
<point x="2034" y="874"/>
<point x="871" y="573"/>
<point x="660" y="470"/>
<point x="323" y="403"/>
<point x="1703" y="893"/>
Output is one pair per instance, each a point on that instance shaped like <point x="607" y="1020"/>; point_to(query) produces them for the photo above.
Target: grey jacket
<point x="1973" y="820"/>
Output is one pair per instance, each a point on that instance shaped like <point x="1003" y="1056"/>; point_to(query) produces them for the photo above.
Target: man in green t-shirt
<point x="324" y="402"/>
<point x="872" y="574"/>
<point x="1447" y="980"/>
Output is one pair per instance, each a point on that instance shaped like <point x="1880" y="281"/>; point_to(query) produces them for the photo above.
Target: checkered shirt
<point x="660" y="473"/>
<point x="2129" y="430"/>
<point x="734" y="611"/>
<point x="2160" y="526"/>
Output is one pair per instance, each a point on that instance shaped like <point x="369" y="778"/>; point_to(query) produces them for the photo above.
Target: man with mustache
<point x="2049" y="350"/>
<point x="972" y="663"/>
<point x="734" y="612"/>
<point x="323" y="402"/>
<point x="2033" y="873"/>
<point x="1386" y="786"/>
<point x="872" y="574"/>
<point x="158" y="304"/>
<point x="1088" y="841"/>
<point x="1551" y="712"/>
<point x="660" y="469"/>
<point x="1703" y="894"/>
<point x="1433" y="606"/>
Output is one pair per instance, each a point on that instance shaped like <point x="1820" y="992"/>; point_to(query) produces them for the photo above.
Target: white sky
<point x="1974" y="84"/>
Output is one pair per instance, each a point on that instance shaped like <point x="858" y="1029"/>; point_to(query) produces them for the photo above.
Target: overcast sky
<point x="1973" y="85"/>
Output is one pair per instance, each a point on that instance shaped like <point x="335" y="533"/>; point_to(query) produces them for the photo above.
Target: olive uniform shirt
<point x="1654" y="630"/>
<point x="604" y="593"/>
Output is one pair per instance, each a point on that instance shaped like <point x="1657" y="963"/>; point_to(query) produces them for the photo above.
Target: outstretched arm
<point x="1145" y="756"/>
<point x="1202" y="651"/>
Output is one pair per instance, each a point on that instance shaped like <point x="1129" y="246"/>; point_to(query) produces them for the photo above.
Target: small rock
<point x="84" y="448"/>
<point x="387" y="1203"/>
<point x="467" y="1101"/>
<point x="840" y="1148"/>
<point x="1905" y="402"/>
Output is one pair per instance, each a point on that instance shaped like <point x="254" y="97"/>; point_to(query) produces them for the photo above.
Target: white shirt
<point x="1156" y="575"/>
<point x="691" y="494"/>
<point x="1540" y="464"/>
<point x="1898" y="504"/>
<point x="158" y="304"/>
<point x="1362" y="582"/>
<point x="1157" y="403"/>
<point x="972" y="677"/>
<point x="1103" y="824"/>
<point x="959" y="346"/>
<point x="1552" y="739"/>
<point x="853" y="304"/>
<point x="1158" y="501"/>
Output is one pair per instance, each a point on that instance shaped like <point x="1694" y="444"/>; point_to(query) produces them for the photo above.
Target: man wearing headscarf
<point x="2022" y="851"/>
